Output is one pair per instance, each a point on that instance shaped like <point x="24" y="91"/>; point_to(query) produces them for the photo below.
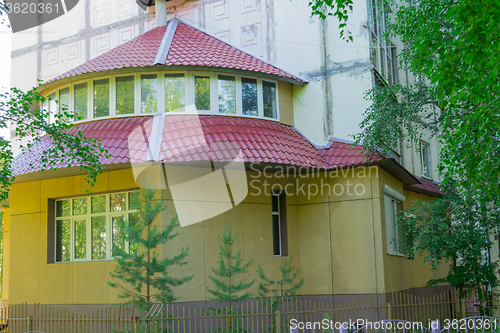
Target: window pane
<point x="134" y="200"/>
<point x="269" y="96"/>
<point x="101" y="98"/>
<point x="98" y="237"/>
<point x="374" y="48"/>
<point x="52" y="103"/>
<point x="149" y="96"/>
<point x="249" y="96"/>
<point x="395" y="65"/>
<point x="117" y="202"/>
<point x="202" y="93"/>
<point x="425" y="160"/>
<point x="175" y="92"/>
<point x="64" y="99"/>
<point x="134" y="220"/>
<point x="63" y="240"/>
<point x="383" y="63"/>
<point x="227" y="94"/>
<point x="276" y="235"/>
<point x="125" y="95"/>
<point x="80" y="206"/>
<point x="275" y="203"/>
<point x="80" y="239"/>
<point x="118" y="234"/>
<point x="63" y="208"/>
<point x="80" y="101"/>
<point x="98" y="204"/>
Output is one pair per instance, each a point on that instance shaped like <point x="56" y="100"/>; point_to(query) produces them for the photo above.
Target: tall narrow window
<point x="279" y="226"/>
<point x="149" y="93"/>
<point x="392" y="206"/>
<point x="202" y="93"/>
<point x="269" y="96"/>
<point x="175" y="92"/>
<point x="227" y="94"/>
<point x="80" y="101"/>
<point x="101" y="98"/>
<point x="124" y="95"/>
<point x="425" y="159"/>
<point x="249" y="96"/>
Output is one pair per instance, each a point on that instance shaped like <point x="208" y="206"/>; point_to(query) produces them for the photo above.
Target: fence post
<point x="343" y="329"/>
<point x="30" y="323"/>
<point x="435" y="326"/>
<point x="389" y="311"/>
<point x="137" y="325"/>
<point x="278" y="321"/>
<point x="463" y="307"/>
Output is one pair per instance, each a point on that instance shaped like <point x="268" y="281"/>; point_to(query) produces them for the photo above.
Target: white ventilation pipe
<point x="161" y="12"/>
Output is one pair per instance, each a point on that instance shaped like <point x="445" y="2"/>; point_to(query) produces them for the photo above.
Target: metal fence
<point x="260" y="315"/>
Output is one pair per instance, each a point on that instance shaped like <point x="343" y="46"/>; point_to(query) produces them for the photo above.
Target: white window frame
<point x="277" y="196"/>
<point x="189" y="94"/>
<point x="88" y="218"/>
<point x="387" y="67"/>
<point x="392" y="199"/>
<point x="427" y="155"/>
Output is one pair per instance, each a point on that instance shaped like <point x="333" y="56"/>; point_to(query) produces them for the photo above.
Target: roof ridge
<point x="166" y="42"/>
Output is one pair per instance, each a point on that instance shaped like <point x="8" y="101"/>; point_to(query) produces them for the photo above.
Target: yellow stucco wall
<point x="400" y="272"/>
<point x="285" y="96"/>
<point x="335" y="237"/>
<point x="6" y="254"/>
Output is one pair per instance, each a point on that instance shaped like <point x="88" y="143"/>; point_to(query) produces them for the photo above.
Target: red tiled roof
<point x="342" y="154"/>
<point x="190" y="138"/>
<point x="427" y="185"/>
<point x="189" y="47"/>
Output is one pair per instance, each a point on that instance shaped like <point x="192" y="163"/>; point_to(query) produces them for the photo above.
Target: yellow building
<point x="214" y="128"/>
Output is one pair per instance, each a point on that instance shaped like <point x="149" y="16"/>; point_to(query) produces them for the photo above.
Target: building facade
<point x="238" y="112"/>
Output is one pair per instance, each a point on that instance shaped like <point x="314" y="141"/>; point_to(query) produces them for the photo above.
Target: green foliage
<point x="338" y="8"/>
<point x="227" y="289"/>
<point x="456" y="228"/>
<point x="398" y="112"/>
<point x="140" y="266"/>
<point x="277" y="289"/>
<point x="455" y="45"/>
<point x="22" y="110"/>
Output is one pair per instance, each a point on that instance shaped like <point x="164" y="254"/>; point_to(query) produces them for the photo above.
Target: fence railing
<point x="260" y="315"/>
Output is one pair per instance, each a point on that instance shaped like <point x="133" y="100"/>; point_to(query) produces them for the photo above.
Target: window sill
<point x="396" y="255"/>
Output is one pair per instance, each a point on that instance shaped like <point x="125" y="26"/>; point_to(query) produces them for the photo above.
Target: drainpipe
<point x="161" y="12"/>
